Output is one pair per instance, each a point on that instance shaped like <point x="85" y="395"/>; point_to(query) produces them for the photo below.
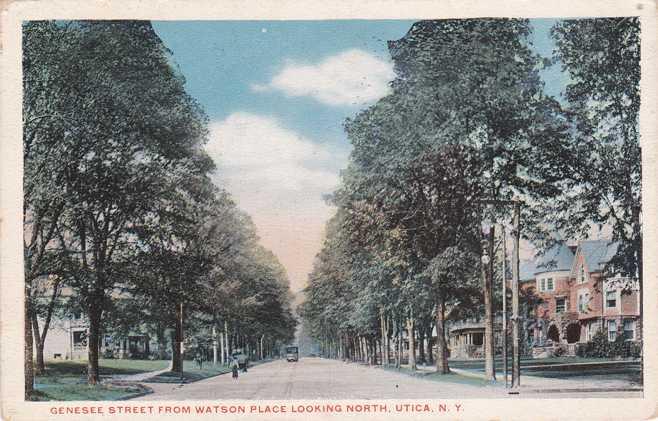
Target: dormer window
<point x="581" y="274"/>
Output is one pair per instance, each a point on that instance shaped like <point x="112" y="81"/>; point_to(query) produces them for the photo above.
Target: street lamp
<point x="516" y="230"/>
<point x="487" y="276"/>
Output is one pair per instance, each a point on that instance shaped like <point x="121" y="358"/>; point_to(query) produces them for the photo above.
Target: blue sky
<point x="277" y="94"/>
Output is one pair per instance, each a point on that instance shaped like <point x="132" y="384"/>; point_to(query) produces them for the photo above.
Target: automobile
<point x="243" y="360"/>
<point x="292" y="353"/>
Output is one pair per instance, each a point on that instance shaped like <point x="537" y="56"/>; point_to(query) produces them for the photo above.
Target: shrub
<point x="600" y="347"/>
<point x="560" y="351"/>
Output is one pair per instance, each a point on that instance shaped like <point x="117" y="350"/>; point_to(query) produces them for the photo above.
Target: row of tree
<point x="121" y="219"/>
<point x="468" y="121"/>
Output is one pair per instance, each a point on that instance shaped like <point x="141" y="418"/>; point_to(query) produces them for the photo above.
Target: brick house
<point x="570" y="298"/>
<point x="566" y="298"/>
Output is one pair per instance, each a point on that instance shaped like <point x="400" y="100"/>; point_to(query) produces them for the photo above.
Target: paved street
<point x="313" y="378"/>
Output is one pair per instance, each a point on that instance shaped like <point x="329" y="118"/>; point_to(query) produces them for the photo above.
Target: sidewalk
<point x="137" y="377"/>
<point x="533" y="383"/>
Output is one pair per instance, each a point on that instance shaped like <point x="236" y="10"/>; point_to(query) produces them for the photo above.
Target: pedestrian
<point x="199" y="359"/>
<point x="234" y="368"/>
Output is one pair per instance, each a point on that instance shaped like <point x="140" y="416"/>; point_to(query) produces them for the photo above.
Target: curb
<point x="185" y="380"/>
<point x="584" y="390"/>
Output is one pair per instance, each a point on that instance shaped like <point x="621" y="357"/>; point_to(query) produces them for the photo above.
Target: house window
<point x="611" y="299"/>
<point x="612" y="330"/>
<point x="560" y="305"/>
<point x="80" y="339"/>
<point x="549" y="284"/>
<point x="542" y="284"/>
<point x="629" y="329"/>
<point x="583" y="302"/>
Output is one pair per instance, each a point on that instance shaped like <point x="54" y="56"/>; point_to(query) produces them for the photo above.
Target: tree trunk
<point x="381" y="352"/>
<point x="29" y="350"/>
<point x="430" y="358"/>
<point x="162" y="343"/>
<point x="40" y="366"/>
<point x="177" y="340"/>
<point x="40" y="336"/>
<point x="227" y="346"/>
<point x="398" y="344"/>
<point x="95" y="313"/>
<point x="221" y="348"/>
<point x="412" y="342"/>
<point x="441" y="346"/>
<point x="421" y="346"/>
<point x="487" y="272"/>
<point x="384" y="329"/>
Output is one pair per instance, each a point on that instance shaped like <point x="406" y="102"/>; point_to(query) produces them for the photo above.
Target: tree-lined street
<point x="317" y="378"/>
<point x="137" y="246"/>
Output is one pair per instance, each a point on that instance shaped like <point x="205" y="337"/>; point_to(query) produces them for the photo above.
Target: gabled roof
<point x="557" y="258"/>
<point x="597" y="253"/>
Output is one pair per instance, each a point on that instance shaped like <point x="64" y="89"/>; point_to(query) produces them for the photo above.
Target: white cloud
<point x="256" y="149"/>
<point x="352" y="77"/>
<point x="279" y="177"/>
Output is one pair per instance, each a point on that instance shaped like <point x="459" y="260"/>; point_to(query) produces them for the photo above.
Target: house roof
<point x="527" y="270"/>
<point x="557" y="258"/>
<point x="597" y="253"/>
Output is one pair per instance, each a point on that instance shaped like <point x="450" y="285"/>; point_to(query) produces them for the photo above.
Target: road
<point x="315" y="378"/>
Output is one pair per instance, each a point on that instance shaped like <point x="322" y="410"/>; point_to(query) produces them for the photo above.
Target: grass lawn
<point x="449" y="378"/>
<point x="67" y="390"/>
<point x="191" y="373"/>
<point x="66" y="380"/>
<point x="479" y="364"/>
<point x="106" y="367"/>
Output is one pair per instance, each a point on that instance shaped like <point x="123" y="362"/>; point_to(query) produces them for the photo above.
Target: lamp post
<point x="516" y="231"/>
<point x="504" y="270"/>
<point x="487" y="275"/>
<point x="516" y="356"/>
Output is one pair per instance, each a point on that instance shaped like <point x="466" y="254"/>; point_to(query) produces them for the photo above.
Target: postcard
<point x="302" y="210"/>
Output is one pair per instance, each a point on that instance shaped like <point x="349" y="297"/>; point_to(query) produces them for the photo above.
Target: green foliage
<point x="119" y="204"/>
<point x="466" y="120"/>
<point x="600" y="169"/>
<point x="600" y="347"/>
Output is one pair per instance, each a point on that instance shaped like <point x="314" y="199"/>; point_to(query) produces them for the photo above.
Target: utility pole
<point x="516" y="356"/>
<point x="516" y="235"/>
<point x="489" y="338"/>
<point x="487" y="271"/>
<point x="502" y="229"/>
<point x="180" y="345"/>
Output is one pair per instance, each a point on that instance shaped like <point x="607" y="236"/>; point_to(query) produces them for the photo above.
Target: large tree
<point x="131" y="124"/>
<point x="47" y="117"/>
<point x="602" y="168"/>
<point x="466" y="122"/>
